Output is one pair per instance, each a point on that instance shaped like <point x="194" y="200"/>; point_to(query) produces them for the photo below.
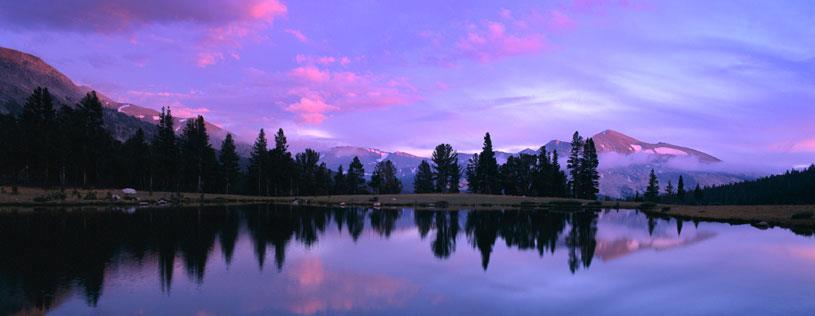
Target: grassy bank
<point x="34" y="197"/>
<point x="760" y="215"/>
<point x="791" y="216"/>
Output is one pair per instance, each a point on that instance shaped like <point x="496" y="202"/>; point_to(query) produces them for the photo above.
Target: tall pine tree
<point x="680" y="190"/>
<point x="589" y="183"/>
<point x="356" y="177"/>
<point x="384" y="179"/>
<point x="258" y="182"/>
<point x="487" y="172"/>
<point x="652" y="191"/>
<point x="228" y="160"/>
<point x="573" y="164"/>
<point x="423" y="181"/>
<point x="164" y="154"/>
<point x="446" y="170"/>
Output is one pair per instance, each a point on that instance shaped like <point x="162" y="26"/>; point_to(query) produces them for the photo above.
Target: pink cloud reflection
<point x="315" y="289"/>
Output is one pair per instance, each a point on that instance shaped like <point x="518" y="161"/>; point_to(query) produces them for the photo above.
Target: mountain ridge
<point x="21" y="73"/>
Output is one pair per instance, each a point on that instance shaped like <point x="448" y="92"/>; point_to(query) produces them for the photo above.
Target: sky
<point x="735" y="79"/>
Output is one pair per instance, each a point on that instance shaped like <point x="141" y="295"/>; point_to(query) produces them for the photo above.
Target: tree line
<point x="69" y="147"/>
<point x="525" y="174"/>
<point x="791" y="187"/>
<point x="677" y="195"/>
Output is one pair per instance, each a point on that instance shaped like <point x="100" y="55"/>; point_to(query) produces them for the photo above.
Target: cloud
<point x="220" y="25"/>
<point x="309" y="73"/>
<point x="321" y="90"/>
<point x="491" y="41"/>
<point x="312" y="109"/>
<point x="322" y="60"/>
<point x="807" y="145"/>
<point x="297" y="35"/>
<point x="116" y="16"/>
<point x="181" y="111"/>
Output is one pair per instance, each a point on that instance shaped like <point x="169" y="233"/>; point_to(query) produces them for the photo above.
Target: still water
<point x="261" y="260"/>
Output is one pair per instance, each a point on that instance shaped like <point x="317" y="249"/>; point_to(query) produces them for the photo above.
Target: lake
<point x="260" y="260"/>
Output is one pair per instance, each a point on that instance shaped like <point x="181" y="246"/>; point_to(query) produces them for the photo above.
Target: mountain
<point x="625" y="163"/>
<point x="611" y="141"/>
<point x="20" y="73"/>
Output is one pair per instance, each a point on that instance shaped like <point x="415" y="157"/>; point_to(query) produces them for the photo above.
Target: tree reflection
<point x="46" y="254"/>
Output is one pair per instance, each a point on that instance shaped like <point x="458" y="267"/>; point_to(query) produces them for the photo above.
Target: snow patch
<point x="121" y="108"/>
<point x="636" y="148"/>
<point x="155" y="118"/>
<point x="669" y="151"/>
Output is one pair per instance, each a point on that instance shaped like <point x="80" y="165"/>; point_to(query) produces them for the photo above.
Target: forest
<point x="69" y="147"/>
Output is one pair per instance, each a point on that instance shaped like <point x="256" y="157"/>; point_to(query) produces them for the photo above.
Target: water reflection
<point x="49" y="254"/>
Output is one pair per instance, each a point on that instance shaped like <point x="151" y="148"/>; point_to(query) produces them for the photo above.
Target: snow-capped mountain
<point x="625" y="162"/>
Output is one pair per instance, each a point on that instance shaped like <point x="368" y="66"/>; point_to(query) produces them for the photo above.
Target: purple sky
<point x="732" y="78"/>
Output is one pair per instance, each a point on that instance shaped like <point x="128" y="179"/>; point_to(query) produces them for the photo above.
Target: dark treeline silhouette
<point x="525" y="174"/>
<point x="45" y="254"/>
<point x="792" y="187"/>
<point x="69" y="147"/>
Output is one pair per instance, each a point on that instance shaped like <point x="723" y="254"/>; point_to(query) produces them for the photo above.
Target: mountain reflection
<point x="47" y="254"/>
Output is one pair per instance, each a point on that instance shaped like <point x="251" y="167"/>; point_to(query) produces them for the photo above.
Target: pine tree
<point x="544" y="174"/>
<point x="669" y="191"/>
<point x="652" y="192"/>
<point x="307" y="164"/>
<point x="229" y="165"/>
<point x="10" y="145"/>
<point x="340" y="183"/>
<point x="589" y="177"/>
<point x="384" y="179"/>
<point x="445" y="169"/>
<point x="280" y="165"/>
<point x="356" y="177"/>
<point x="258" y="164"/>
<point x="423" y="181"/>
<point x="38" y="126"/>
<point x="697" y="194"/>
<point x="137" y="160"/>
<point x="573" y="164"/>
<point x="197" y="156"/>
<point x="559" y="185"/>
<point x="680" y="190"/>
<point x="471" y="173"/>
<point x="324" y="181"/>
<point x="487" y="172"/>
<point x="96" y="141"/>
<point x="165" y="153"/>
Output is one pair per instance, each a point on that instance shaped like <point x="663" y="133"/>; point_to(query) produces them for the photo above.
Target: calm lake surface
<point x="260" y="260"/>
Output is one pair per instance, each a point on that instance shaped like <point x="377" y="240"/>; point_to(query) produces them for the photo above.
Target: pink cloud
<point x="298" y="35"/>
<point x="491" y="41"/>
<point x="322" y="60"/>
<point x="807" y="145"/>
<point x="205" y="59"/>
<point x="558" y="20"/>
<point x="227" y="39"/>
<point x="320" y="91"/>
<point x="311" y="109"/>
<point x="181" y="111"/>
<point x="315" y="289"/>
<point x="442" y="85"/>
<point x="309" y="73"/>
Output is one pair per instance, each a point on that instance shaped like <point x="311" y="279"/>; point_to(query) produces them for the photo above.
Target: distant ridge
<point x="21" y="72"/>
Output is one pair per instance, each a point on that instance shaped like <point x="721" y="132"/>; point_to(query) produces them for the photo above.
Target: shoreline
<point x="762" y="216"/>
